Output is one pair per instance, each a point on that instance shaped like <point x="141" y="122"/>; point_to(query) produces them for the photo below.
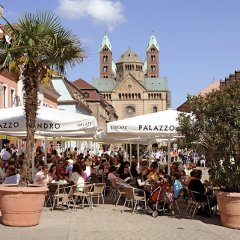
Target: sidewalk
<point x="107" y="222"/>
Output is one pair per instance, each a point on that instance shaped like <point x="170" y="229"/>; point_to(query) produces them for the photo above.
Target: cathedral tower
<point x="106" y="58"/>
<point x="152" y="58"/>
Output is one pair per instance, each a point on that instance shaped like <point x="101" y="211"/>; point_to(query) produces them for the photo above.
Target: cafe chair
<point x="198" y="204"/>
<point x="119" y="192"/>
<point x="133" y="198"/>
<point x="83" y="195"/>
<point x="64" y="197"/>
<point x="98" y="192"/>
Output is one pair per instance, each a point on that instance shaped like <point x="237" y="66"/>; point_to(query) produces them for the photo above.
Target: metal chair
<point x="84" y="195"/>
<point x="63" y="196"/>
<point x="110" y="185"/>
<point x="119" y="192"/>
<point x="175" y="204"/>
<point x="98" y="192"/>
<point x="199" y="204"/>
<point x="134" y="199"/>
<point x="52" y="188"/>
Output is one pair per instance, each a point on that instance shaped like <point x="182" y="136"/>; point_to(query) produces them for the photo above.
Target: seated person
<point x="77" y="177"/>
<point x="53" y="172"/>
<point x="197" y="186"/>
<point x="69" y="168"/>
<point x="177" y="185"/>
<point x="190" y="177"/>
<point x="61" y="170"/>
<point x="12" y="177"/>
<point x="88" y="168"/>
<point x="141" y="182"/>
<point x="153" y="174"/>
<point x="142" y="179"/>
<point x="134" y="169"/>
<point x="126" y="175"/>
<point x="122" y="166"/>
<point x="112" y="175"/>
<point x="42" y="178"/>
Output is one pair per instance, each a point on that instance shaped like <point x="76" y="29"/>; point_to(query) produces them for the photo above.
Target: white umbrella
<point x="49" y="121"/>
<point x="154" y="125"/>
<point x="159" y="124"/>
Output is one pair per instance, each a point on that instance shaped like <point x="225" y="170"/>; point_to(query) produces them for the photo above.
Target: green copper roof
<point x="150" y="84"/>
<point x="155" y="84"/>
<point x="104" y="84"/>
<point x="106" y="42"/>
<point x="152" y="41"/>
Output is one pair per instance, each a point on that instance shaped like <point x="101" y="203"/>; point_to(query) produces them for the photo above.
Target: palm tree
<point x="36" y="45"/>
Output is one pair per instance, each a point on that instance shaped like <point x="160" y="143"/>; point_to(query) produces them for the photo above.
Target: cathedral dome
<point x="129" y="57"/>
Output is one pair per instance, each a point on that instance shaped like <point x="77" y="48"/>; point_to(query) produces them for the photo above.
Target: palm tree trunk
<point x="30" y="87"/>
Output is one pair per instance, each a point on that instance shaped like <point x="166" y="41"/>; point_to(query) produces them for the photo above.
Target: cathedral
<point x="132" y="86"/>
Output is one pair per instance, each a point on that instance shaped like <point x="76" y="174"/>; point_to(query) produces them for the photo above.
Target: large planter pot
<point x="21" y="206"/>
<point x="229" y="208"/>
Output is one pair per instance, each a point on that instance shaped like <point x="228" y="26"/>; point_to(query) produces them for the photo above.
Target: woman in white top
<point x="88" y="169"/>
<point x="77" y="177"/>
<point x="42" y="178"/>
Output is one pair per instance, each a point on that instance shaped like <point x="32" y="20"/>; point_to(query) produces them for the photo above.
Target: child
<point x="177" y="185"/>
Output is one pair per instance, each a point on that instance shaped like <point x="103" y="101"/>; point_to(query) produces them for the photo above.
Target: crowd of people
<point x="186" y="156"/>
<point x="78" y="169"/>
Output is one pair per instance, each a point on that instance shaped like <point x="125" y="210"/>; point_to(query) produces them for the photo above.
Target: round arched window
<point x="130" y="110"/>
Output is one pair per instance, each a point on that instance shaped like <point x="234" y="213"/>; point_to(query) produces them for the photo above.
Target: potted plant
<point x="214" y="123"/>
<point x="33" y="47"/>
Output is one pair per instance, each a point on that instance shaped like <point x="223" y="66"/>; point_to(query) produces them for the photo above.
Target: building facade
<point x="131" y="86"/>
<point x="8" y="90"/>
<point x="101" y="109"/>
<point x="230" y="79"/>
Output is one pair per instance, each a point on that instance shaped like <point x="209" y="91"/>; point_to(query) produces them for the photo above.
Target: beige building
<point x="131" y="86"/>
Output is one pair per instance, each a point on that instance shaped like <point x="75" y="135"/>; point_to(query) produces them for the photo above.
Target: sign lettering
<point x="119" y="127"/>
<point x="157" y="128"/>
<point x="84" y="124"/>
<point x="48" y="126"/>
<point x="7" y="125"/>
<point x="14" y="125"/>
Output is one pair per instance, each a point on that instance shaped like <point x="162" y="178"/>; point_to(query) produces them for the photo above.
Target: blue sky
<point x="199" y="40"/>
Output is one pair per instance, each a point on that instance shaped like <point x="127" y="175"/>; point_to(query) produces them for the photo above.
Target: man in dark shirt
<point x="197" y="186"/>
<point x="200" y="194"/>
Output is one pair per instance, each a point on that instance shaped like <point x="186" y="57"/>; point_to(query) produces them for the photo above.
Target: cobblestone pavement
<point x="110" y="222"/>
<point x="107" y="222"/>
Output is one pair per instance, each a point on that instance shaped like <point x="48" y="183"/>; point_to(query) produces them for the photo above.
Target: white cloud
<point x="107" y="12"/>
